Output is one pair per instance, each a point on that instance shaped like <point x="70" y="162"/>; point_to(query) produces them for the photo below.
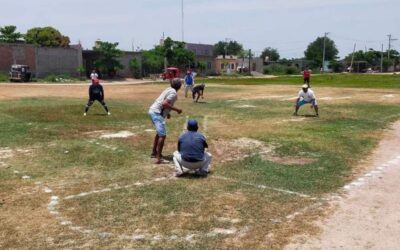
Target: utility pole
<point x="382" y="59"/>
<point x="352" y="58"/>
<point x="390" y="43"/>
<point x="165" y="57"/>
<point x="183" y="21"/>
<point x="226" y="47"/>
<point x="249" y="61"/>
<point x="323" y="52"/>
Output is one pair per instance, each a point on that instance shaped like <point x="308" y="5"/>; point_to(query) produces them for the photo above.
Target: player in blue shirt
<point x="191" y="153"/>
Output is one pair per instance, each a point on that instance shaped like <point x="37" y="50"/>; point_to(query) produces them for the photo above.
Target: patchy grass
<point x="3" y="77"/>
<point x="240" y="205"/>
<point x="328" y="80"/>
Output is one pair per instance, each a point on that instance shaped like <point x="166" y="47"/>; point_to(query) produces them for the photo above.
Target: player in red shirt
<point x="306" y="76"/>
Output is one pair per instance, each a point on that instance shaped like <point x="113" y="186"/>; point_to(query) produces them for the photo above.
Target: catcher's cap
<point x="192" y="125"/>
<point x="305" y="86"/>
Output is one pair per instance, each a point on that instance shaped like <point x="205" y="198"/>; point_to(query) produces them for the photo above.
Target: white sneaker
<point x="108" y="113"/>
<point x="84" y="114"/>
<point x="178" y="174"/>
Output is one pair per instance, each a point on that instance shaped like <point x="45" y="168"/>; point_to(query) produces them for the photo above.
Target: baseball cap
<point x="305" y="86"/>
<point x="192" y="125"/>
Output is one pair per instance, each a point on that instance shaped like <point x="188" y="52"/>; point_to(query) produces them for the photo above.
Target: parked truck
<point x="20" y="73"/>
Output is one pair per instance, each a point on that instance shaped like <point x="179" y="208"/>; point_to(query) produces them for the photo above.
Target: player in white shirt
<point x="94" y="76"/>
<point x="158" y="112"/>
<point x="306" y="95"/>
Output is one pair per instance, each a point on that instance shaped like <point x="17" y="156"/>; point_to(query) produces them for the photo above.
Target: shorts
<point x="159" y="123"/>
<point x="302" y="102"/>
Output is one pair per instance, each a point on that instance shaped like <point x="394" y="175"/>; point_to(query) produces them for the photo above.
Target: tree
<point x="225" y="48"/>
<point x="177" y="54"/>
<point x="373" y="58"/>
<point x="134" y="66"/>
<point x="270" y="54"/>
<point x="8" y="34"/>
<point x="314" y="51"/>
<point x="47" y="37"/>
<point x="107" y="61"/>
<point x="153" y="61"/>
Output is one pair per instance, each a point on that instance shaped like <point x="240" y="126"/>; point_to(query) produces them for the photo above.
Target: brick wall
<point x="17" y="54"/>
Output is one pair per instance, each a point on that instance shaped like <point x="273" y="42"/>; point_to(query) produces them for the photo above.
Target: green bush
<point x="277" y="69"/>
<point x="290" y="70"/>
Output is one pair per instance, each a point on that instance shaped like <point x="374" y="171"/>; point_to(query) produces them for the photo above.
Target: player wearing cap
<point x="198" y="91"/>
<point x="160" y="110"/>
<point x="191" y="153"/>
<point x="189" y="82"/>
<point x="306" y="95"/>
<point x="306" y="76"/>
<point x="96" y="93"/>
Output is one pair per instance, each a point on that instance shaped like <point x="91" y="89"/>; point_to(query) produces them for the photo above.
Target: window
<point x="222" y="66"/>
<point x="232" y="66"/>
<point x="208" y="65"/>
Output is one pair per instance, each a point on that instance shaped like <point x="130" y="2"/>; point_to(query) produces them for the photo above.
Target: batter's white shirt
<point x="308" y="97"/>
<point x="170" y="95"/>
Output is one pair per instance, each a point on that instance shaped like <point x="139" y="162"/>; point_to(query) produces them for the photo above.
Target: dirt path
<point x="368" y="217"/>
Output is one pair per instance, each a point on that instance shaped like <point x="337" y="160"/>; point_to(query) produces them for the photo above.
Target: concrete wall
<point x="16" y="54"/>
<point x="125" y="59"/>
<point x="57" y="61"/>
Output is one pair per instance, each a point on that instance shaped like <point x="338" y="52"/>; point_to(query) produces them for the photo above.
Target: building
<point x="226" y="64"/>
<point x="204" y="53"/>
<point x="256" y="64"/>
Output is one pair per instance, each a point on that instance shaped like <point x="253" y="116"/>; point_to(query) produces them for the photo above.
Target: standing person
<point x="94" y="76"/>
<point x="160" y="110"/>
<point x="306" y="95"/>
<point x="198" y="91"/>
<point x="189" y="82"/>
<point x="191" y="153"/>
<point x="96" y="93"/>
<point x="306" y="76"/>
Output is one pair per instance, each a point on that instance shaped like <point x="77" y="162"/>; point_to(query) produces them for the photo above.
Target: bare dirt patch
<point x="238" y="149"/>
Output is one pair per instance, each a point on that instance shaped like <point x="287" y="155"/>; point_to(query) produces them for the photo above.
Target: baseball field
<point x="71" y="182"/>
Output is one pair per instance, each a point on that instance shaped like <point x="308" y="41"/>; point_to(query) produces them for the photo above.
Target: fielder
<point x="96" y="93"/>
<point x="189" y="82"/>
<point x="198" y="91"/>
<point x="306" y="95"/>
<point x="306" y="76"/>
<point x="191" y="153"/>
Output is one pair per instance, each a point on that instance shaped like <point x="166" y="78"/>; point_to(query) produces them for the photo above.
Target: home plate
<point x="120" y="134"/>
<point x="245" y="106"/>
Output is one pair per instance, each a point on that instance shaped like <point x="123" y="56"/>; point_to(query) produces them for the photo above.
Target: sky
<point x="287" y="25"/>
